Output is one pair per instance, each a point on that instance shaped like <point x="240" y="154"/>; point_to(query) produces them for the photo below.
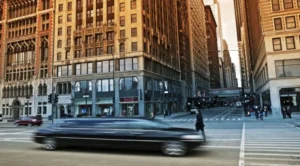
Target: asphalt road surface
<point x="229" y="143"/>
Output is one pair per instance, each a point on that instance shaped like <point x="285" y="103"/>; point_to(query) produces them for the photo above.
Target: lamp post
<point x="114" y="91"/>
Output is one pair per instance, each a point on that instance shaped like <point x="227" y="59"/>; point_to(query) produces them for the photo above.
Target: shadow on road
<point x="157" y="153"/>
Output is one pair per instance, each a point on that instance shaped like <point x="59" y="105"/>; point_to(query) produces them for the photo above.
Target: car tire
<point x="50" y="143"/>
<point x="175" y="149"/>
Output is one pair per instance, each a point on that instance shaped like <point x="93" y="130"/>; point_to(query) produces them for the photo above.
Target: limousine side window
<point x="146" y="125"/>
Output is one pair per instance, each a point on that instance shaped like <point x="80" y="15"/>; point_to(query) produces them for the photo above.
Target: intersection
<point x="237" y="141"/>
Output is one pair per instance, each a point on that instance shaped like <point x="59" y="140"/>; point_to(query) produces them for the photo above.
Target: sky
<point x="229" y="33"/>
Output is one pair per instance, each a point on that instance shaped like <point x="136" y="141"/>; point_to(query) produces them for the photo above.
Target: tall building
<point x="116" y="57"/>
<point x="198" y="47"/>
<point x="222" y="73"/>
<point x="233" y="76"/>
<point x="212" y="47"/>
<point x="227" y="66"/>
<point x="215" y="7"/>
<point x="243" y="43"/>
<point x="26" y="29"/>
<point x="184" y="48"/>
<point x="274" y="31"/>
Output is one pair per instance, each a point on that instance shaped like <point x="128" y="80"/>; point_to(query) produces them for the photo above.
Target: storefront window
<point x="129" y="110"/>
<point x="128" y="83"/>
<point x="77" y="87"/>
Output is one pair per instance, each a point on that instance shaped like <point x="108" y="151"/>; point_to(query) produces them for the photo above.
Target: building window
<point x="290" y="42"/>
<point x="122" y="20"/>
<point x="90" y="68"/>
<point x="110" y="35"/>
<point x="133" y="4"/>
<point x="110" y="9"/>
<point x="134" y="63"/>
<point x="122" y="34"/>
<point x="275" y="5"/>
<point x="89" y="52"/>
<point x="133" y="32"/>
<point x="122" y="47"/>
<point x="288" y="68"/>
<point x="59" y="56"/>
<point x="78" y="69"/>
<point x="128" y="64"/>
<point x="133" y="18"/>
<point x="59" y="71"/>
<point x="99" y="67"/>
<point x="277" y="24"/>
<point x="98" y="51"/>
<point x="110" y="49"/>
<point x="68" y="42"/>
<point x="128" y="83"/>
<point x="77" y="53"/>
<point x="122" y="7"/>
<point x="77" y="87"/>
<point x="69" y="30"/>
<point x="69" y="6"/>
<point x="298" y="2"/>
<point x="105" y="85"/>
<point x="290" y="22"/>
<point x="60" y="19"/>
<point x="60" y="7"/>
<point x="277" y="44"/>
<point x="59" y="44"/>
<point x="288" y="4"/>
<point x="59" y="33"/>
<point x="134" y="46"/>
<point x="69" y="18"/>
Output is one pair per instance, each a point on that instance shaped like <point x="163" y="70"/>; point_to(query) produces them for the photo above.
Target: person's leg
<point x="203" y="134"/>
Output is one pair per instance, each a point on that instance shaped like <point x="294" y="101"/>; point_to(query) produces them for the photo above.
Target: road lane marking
<point x="272" y="154"/>
<point x="220" y="114"/>
<point x="242" y="148"/>
<point x="220" y="147"/>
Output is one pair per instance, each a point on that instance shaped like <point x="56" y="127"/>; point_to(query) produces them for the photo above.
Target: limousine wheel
<point x="174" y="149"/>
<point x="50" y="143"/>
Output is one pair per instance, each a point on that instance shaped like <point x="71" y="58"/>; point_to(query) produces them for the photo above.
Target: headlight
<point x="34" y="120"/>
<point x="192" y="137"/>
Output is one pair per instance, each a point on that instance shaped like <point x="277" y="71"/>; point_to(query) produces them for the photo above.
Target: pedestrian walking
<point x="283" y="112"/>
<point x="289" y="112"/>
<point x="261" y="113"/>
<point x="265" y="111"/>
<point x="199" y="123"/>
<point x="256" y="111"/>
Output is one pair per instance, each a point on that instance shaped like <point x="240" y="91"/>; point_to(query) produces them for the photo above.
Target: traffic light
<point x="50" y="98"/>
<point x="56" y="98"/>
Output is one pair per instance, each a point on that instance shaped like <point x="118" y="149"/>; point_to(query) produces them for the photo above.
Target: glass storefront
<point x="290" y="97"/>
<point x="129" y="110"/>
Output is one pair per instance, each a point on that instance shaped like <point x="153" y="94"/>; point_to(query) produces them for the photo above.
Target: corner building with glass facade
<point x="116" y="57"/>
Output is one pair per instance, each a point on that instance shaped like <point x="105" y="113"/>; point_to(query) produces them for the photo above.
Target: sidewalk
<point x="175" y="114"/>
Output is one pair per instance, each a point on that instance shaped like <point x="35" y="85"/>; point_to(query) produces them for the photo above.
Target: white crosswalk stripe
<point x="191" y="120"/>
<point x="265" y="145"/>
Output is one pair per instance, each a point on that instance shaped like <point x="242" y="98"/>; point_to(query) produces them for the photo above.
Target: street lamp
<point x="114" y="90"/>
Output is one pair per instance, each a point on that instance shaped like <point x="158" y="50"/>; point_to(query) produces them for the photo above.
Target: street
<point x="232" y="140"/>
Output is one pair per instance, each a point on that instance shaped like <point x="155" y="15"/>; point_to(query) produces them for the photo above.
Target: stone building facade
<point x="26" y="57"/>
<point x="116" y="57"/>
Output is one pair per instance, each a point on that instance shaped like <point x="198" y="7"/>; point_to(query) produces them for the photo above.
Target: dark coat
<point x="199" y="122"/>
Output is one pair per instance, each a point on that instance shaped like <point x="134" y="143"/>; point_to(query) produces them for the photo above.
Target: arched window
<point x="128" y="83"/>
<point x="26" y="90"/>
<point x="40" y="89"/>
<point x="77" y="87"/>
<point x="90" y="86"/>
<point x="44" y="89"/>
<point x="30" y="90"/>
<point x="15" y="92"/>
<point x="4" y="92"/>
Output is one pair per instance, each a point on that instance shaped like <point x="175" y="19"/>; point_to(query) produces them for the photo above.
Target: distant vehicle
<point x="30" y="120"/>
<point x="1" y="119"/>
<point x="238" y="104"/>
<point x="119" y="133"/>
<point x="193" y="110"/>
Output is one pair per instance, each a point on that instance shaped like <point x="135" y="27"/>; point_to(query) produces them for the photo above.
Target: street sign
<point x="85" y="96"/>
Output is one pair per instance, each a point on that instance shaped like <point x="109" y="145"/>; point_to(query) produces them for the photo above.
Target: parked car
<point x="119" y="133"/>
<point x="30" y="120"/>
<point x="1" y="119"/>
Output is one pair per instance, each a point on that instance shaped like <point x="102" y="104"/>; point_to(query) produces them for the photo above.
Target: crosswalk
<point x="270" y="145"/>
<point x="192" y="120"/>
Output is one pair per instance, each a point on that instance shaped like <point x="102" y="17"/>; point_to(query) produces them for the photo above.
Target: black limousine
<point x="120" y="133"/>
